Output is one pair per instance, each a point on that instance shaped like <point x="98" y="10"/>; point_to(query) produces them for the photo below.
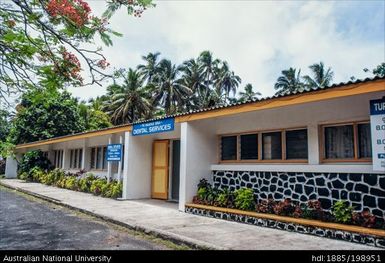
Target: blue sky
<point x="257" y="38"/>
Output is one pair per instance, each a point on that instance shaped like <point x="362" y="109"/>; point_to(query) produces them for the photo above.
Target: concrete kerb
<point x="177" y="239"/>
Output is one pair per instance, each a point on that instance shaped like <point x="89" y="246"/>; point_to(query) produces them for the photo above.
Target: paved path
<point x="164" y="218"/>
<point x="27" y="224"/>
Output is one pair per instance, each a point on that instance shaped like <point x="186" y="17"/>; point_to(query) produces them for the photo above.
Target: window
<point x="296" y="144"/>
<point x="249" y="147"/>
<point x="76" y="158"/>
<point x="272" y="145"/>
<point x="347" y="141"/>
<point x="364" y="141"/>
<point x="98" y="158"/>
<point x="58" y="158"/>
<point x="229" y="148"/>
<point x="279" y="146"/>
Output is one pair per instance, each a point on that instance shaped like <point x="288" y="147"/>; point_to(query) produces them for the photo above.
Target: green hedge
<point x="87" y="183"/>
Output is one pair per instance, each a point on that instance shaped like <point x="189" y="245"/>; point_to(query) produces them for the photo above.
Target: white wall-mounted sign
<point x="377" y="127"/>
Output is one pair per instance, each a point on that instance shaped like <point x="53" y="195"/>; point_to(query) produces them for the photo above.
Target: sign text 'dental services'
<point x="377" y="126"/>
<point x="114" y="152"/>
<point x="153" y="127"/>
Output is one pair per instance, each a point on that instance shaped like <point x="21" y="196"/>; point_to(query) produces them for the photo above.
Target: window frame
<point x="260" y="145"/>
<point x="355" y="159"/>
<point x="76" y="158"/>
<point x="96" y="160"/>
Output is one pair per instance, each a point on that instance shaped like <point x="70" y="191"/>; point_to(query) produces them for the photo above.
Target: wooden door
<point x="160" y="159"/>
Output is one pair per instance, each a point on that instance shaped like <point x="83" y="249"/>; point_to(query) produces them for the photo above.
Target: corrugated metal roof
<point x="304" y="91"/>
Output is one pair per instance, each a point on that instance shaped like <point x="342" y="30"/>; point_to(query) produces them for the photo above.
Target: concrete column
<point x="11" y="167"/>
<point x="120" y="162"/>
<point x="109" y="164"/>
<point x="125" y="170"/>
<point x="86" y="156"/>
<point x="51" y="155"/>
<point x="313" y="144"/>
<point x="137" y="166"/>
<point x="198" y="152"/>
<point x="66" y="158"/>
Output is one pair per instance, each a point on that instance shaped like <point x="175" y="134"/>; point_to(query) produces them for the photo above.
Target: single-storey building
<point x="313" y="144"/>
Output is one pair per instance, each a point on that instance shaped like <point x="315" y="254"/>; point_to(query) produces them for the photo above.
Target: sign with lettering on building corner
<point x="377" y="127"/>
<point x="153" y="127"/>
<point x="114" y="152"/>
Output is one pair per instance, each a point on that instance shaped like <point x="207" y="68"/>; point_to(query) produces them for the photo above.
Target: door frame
<point x="170" y="169"/>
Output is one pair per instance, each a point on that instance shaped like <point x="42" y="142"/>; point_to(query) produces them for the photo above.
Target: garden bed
<point x="357" y="234"/>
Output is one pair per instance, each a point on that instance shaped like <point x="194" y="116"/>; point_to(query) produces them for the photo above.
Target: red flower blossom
<point x="77" y="11"/>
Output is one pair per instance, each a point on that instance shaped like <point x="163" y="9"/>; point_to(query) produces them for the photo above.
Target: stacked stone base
<point x="316" y="231"/>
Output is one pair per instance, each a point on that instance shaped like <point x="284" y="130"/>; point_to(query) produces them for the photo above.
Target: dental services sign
<point x="153" y="127"/>
<point x="377" y="126"/>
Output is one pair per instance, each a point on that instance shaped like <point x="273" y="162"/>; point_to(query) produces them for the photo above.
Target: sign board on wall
<point x="114" y="152"/>
<point x="153" y="127"/>
<point x="377" y="127"/>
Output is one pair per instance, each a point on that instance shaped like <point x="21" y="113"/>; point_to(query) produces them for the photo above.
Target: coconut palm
<point x="248" y="94"/>
<point x="169" y="91"/>
<point x="133" y="102"/>
<point x="226" y="82"/>
<point x="289" y="81"/>
<point x="208" y="66"/>
<point x="150" y="69"/>
<point x="321" y="77"/>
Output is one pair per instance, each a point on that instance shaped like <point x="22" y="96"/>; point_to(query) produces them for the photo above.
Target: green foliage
<point x="41" y="42"/>
<point x="378" y="71"/>
<point x="34" y="159"/>
<point x="5" y="125"/>
<point x="43" y="114"/>
<point x="97" y="186"/>
<point x="93" y="117"/>
<point x="244" y="199"/>
<point x="224" y="198"/>
<point x="342" y="212"/>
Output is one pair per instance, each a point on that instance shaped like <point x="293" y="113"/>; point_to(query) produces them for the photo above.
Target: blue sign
<point x="381" y="156"/>
<point x="114" y="152"/>
<point x="377" y="107"/>
<point x="153" y="127"/>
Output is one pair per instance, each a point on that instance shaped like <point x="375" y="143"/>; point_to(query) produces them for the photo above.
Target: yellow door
<point x="159" y="188"/>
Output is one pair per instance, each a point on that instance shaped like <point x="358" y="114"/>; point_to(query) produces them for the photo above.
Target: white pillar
<point x="127" y="136"/>
<point x="11" y="167"/>
<point x="120" y="162"/>
<point x="197" y="152"/>
<point x="313" y="144"/>
<point x="109" y="164"/>
<point x="66" y="158"/>
<point x="85" y="157"/>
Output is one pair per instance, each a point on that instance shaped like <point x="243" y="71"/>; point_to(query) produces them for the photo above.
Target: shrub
<point x="266" y="206"/>
<point x="297" y="212"/>
<point x="97" y="185"/>
<point x="364" y="218"/>
<point x="34" y="159"/>
<point x="224" y="198"/>
<point x="36" y="174"/>
<point x="22" y="176"/>
<point x="71" y="183"/>
<point x="285" y="207"/>
<point x="342" y="212"/>
<point x="2" y="167"/>
<point x="203" y="183"/>
<point x="84" y="183"/>
<point x="244" y="199"/>
<point x="314" y="210"/>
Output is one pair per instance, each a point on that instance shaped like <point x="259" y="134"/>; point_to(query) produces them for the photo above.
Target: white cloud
<point x="257" y="38"/>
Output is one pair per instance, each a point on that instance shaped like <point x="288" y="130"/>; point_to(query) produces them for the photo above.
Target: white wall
<point x="10" y="168"/>
<point x="198" y="152"/>
<point x="138" y="164"/>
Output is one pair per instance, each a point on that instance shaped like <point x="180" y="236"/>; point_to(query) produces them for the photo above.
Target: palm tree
<point x="150" y="69"/>
<point x="170" y="92"/>
<point x="289" y="81"/>
<point x="321" y="77"/>
<point x="133" y="102"/>
<point x="248" y="94"/>
<point x="226" y="81"/>
<point x="208" y="66"/>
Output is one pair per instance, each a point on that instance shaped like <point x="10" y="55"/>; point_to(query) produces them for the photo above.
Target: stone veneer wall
<point x="370" y="240"/>
<point x="361" y="190"/>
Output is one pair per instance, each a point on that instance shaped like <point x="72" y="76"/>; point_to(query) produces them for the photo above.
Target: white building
<point x="306" y="145"/>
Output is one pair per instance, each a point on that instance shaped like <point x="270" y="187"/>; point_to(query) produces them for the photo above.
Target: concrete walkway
<point x="163" y="219"/>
